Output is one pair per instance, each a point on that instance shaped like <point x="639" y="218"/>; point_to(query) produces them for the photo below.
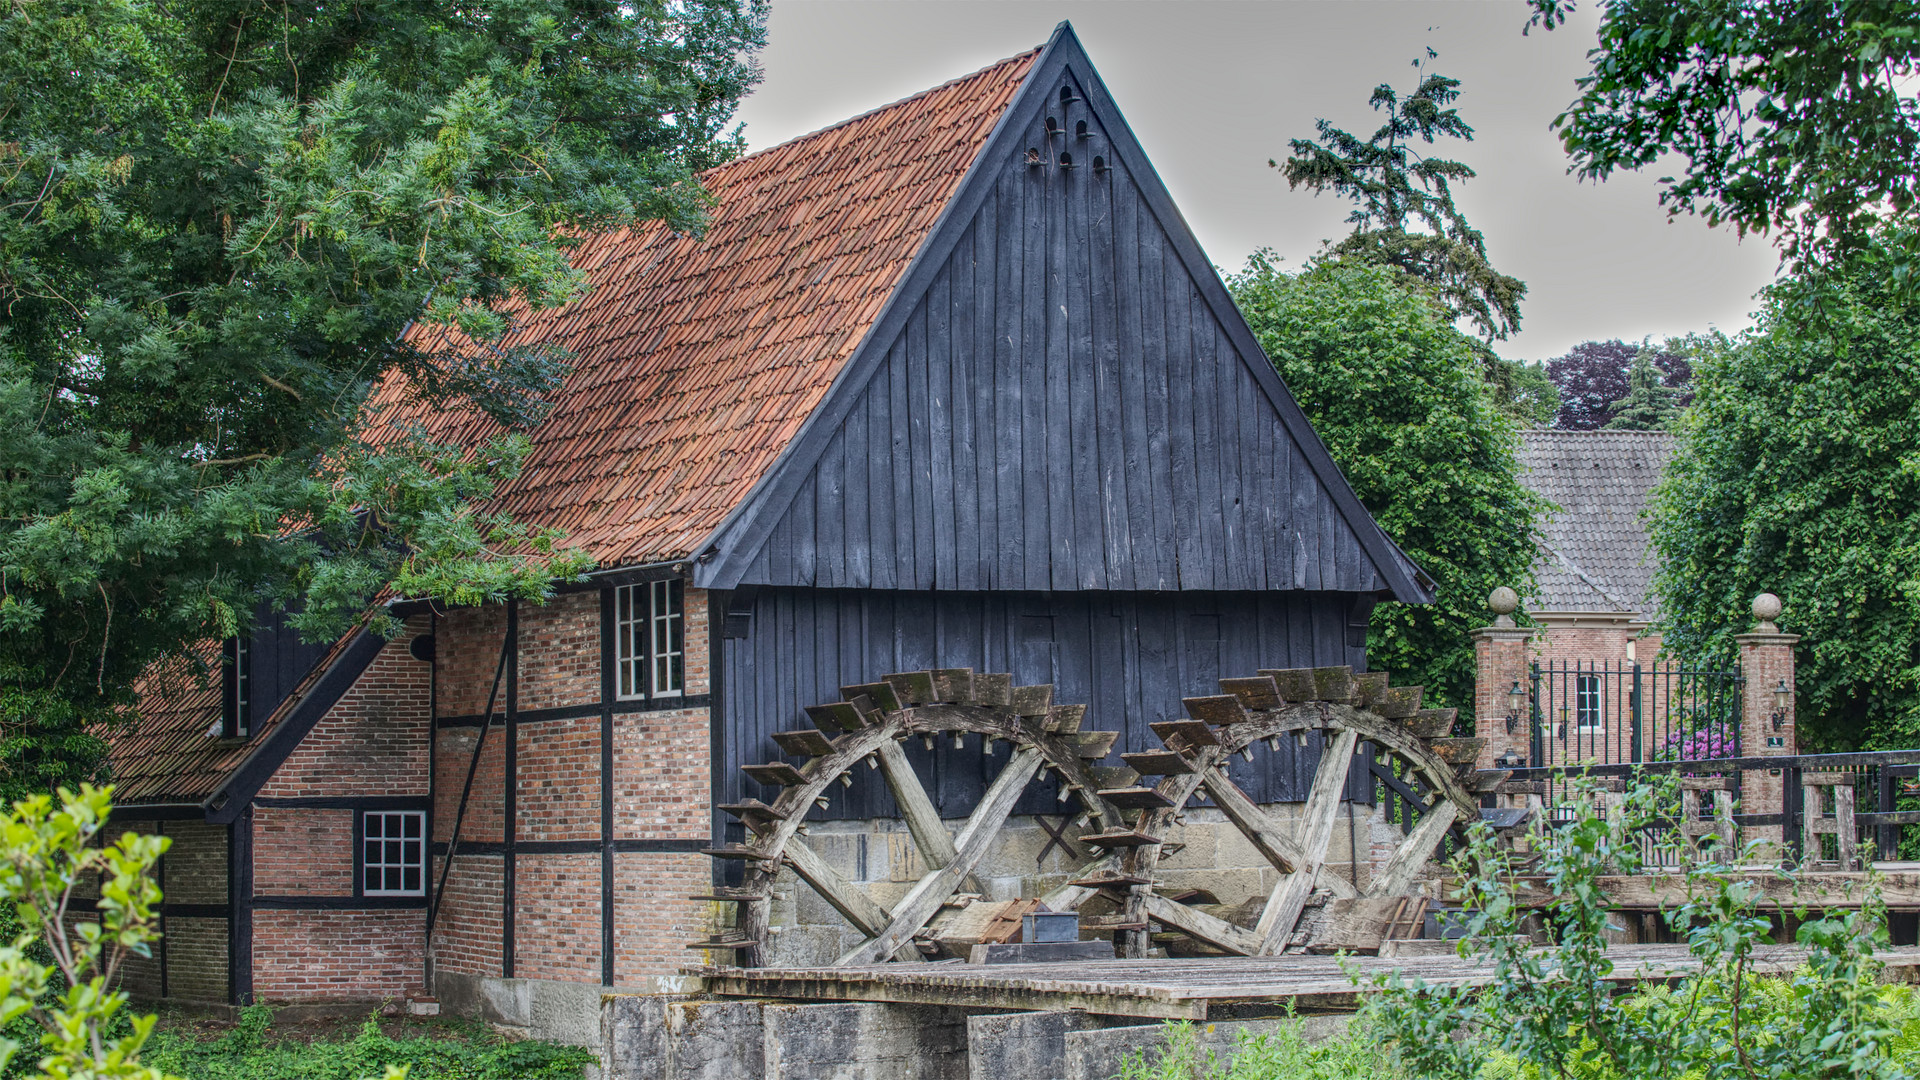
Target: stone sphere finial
<point x="1503" y="602"/>
<point x="1766" y="608"/>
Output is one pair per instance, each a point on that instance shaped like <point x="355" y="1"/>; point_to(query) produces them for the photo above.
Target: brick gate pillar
<point x="1500" y="660"/>
<point x="1766" y="663"/>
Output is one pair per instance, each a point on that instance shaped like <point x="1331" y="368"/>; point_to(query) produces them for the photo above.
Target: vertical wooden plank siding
<point x="1130" y="657"/>
<point x="1062" y="411"/>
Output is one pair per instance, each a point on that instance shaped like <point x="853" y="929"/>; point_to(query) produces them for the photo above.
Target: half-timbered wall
<point x="1063" y="409"/>
<point x="580" y="836"/>
<point x="1130" y="657"/>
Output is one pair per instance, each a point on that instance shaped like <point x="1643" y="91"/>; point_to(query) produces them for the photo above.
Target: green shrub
<point x="1278" y="1054"/>
<point x="1555" y="1014"/>
<point x="455" y="1052"/>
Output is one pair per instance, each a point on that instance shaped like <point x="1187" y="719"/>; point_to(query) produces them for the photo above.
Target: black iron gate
<point x="1619" y="713"/>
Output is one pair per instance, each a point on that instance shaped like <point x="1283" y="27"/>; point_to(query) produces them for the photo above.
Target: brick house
<point x="1595" y="563"/>
<point x="1593" y="660"/>
<point x="947" y="384"/>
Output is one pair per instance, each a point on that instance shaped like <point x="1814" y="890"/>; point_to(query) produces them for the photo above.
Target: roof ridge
<point x="1593" y="431"/>
<point x="838" y="124"/>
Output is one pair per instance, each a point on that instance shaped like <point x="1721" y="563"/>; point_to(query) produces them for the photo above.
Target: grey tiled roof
<point x="1594" y="554"/>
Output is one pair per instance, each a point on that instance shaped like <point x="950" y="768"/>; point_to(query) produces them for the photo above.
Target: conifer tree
<point x="1650" y="404"/>
<point x="1405" y="217"/>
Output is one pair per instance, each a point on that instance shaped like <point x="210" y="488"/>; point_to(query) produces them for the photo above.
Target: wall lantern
<point x="1782" y="697"/>
<point x="1516" y="701"/>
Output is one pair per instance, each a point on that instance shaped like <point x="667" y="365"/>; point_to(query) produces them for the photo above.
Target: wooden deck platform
<point x="1185" y="989"/>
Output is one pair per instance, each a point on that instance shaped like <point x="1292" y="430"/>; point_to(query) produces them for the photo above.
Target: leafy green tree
<point x="1797" y="472"/>
<point x="1394" y="186"/>
<point x="1650" y="404"/>
<point x="53" y="851"/>
<point x="1556" y="1013"/>
<point x="1794" y="118"/>
<point x="217" y="221"/>
<point x="1523" y="391"/>
<point x="1396" y="394"/>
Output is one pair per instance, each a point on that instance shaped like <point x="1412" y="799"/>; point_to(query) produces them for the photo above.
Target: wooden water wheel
<point x="865" y="730"/>
<point x="1348" y="709"/>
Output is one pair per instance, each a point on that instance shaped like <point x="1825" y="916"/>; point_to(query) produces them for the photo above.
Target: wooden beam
<point x="847" y="898"/>
<point x="1290" y="894"/>
<point x="924" y="899"/>
<point x="1774" y="891"/>
<point x="923" y="820"/>
<point x="1003" y="995"/>
<point x="1405" y="865"/>
<point x="1198" y="924"/>
<point x="1266" y="834"/>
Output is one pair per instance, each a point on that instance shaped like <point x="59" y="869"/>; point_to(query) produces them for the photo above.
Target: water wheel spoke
<point x="1289" y="896"/>
<point x="923" y="819"/>
<point x="1398" y="874"/>
<point x="1266" y="834"/>
<point x="924" y="899"/>
<point x="1198" y="924"/>
<point x="1397" y="739"/>
<point x="847" y="898"/>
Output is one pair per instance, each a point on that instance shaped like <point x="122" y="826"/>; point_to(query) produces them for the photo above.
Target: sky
<point x="1215" y="89"/>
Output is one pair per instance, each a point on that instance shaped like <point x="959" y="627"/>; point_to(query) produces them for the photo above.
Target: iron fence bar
<point x="1639" y="750"/>
<point x="1538" y="750"/>
<point x="1796" y="811"/>
<point x="1809" y="762"/>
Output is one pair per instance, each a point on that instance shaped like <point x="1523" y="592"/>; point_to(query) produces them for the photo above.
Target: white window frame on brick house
<point x="649" y="627"/>
<point x="1589" y="712"/>
<point x="393" y="856"/>
<point x="236" y="689"/>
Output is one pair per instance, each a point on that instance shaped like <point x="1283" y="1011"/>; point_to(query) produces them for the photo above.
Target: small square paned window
<point x="393" y="853"/>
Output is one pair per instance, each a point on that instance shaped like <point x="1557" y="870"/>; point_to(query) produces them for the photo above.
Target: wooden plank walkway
<point x="1187" y="988"/>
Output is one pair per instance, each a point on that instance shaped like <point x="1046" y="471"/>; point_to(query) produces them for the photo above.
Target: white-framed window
<point x="393" y="853"/>
<point x="1588" y="715"/>
<point x="236" y="680"/>
<point x="649" y="626"/>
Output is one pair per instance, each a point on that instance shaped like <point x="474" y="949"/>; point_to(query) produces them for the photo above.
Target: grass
<point x="259" y="1049"/>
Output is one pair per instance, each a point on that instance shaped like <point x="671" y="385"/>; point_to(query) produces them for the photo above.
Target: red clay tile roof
<point x="696" y="361"/>
<point x="170" y="752"/>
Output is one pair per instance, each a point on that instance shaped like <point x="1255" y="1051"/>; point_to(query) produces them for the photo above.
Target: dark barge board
<point x="1195" y="989"/>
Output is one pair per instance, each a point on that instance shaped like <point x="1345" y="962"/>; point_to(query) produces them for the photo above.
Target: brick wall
<point x="372" y="743"/>
<point x="466" y="935"/>
<point x="661" y="775"/>
<point x="197" y="960"/>
<point x="193" y="950"/>
<point x="302" y="852"/>
<point x="557" y="920"/>
<point x="652" y="918"/>
<point x="374" y="739"/>
<point x="559" y="780"/>
<point x="559" y="653"/>
<point x="314" y="956"/>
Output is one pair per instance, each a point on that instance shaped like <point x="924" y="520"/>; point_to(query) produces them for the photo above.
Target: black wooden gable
<point x="1060" y="395"/>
